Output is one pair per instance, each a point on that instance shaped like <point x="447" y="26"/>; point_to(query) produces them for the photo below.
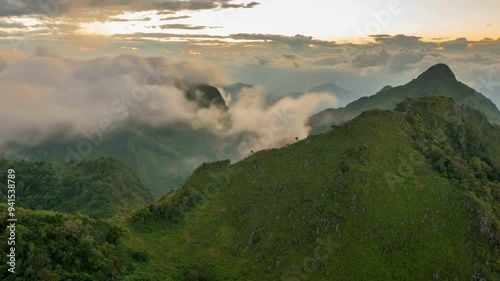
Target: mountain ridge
<point x="407" y="194"/>
<point x="383" y="191"/>
<point x="438" y="80"/>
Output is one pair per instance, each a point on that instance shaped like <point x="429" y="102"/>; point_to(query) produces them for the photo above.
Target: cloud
<point x="261" y="60"/>
<point x="228" y="5"/>
<point x="257" y="58"/>
<point x="329" y="61"/>
<point x="401" y="60"/>
<point x="182" y="26"/>
<point x="115" y="19"/>
<point x="455" y="45"/>
<point x="291" y="58"/>
<point x="275" y="126"/>
<point x="42" y="51"/>
<point x="7" y="25"/>
<point x="77" y="95"/>
<point x="297" y="43"/>
<point x="175" y="18"/>
<point x="400" y="40"/>
<point x="371" y="58"/>
<point x="55" y="8"/>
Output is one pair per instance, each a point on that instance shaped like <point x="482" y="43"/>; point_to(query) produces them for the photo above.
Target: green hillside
<point x="98" y="188"/>
<point x="164" y="157"/>
<point x="438" y="80"/>
<point x="411" y="194"/>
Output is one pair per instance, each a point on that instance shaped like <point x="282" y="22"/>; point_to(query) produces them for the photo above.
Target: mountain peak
<point x="385" y="89"/>
<point x="438" y="72"/>
<point x="206" y="95"/>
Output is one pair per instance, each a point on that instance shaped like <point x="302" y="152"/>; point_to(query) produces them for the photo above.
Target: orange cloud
<point x="84" y="49"/>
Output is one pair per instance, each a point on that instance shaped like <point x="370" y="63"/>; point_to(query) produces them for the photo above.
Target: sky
<point x="70" y="57"/>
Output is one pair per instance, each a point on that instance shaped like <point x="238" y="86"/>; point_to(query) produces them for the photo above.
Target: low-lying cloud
<point x="46" y="95"/>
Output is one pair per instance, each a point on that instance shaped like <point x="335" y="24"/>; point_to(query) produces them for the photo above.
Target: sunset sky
<point x="64" y="64"/>
<point x="313" y="41"/>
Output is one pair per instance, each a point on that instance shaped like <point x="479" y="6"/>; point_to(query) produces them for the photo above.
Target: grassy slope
<point x="363" y="187"/>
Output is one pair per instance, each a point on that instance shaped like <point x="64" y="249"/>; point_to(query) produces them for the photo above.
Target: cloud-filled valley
<point x="74" y="97"/>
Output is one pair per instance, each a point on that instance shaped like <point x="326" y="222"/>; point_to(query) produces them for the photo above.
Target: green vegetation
<point x="438" y="80"/>
<point x="52" y="246"/>
<point x="407" y="194"/>
<point x="463" y="146"/>
<point x="99" y="188"/>
<point x="368" y="200"/>
<point x="164" y="158"/>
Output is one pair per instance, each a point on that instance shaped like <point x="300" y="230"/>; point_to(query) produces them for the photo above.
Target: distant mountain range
<point x="343" y="95"/>
<point x="438" y="80"/>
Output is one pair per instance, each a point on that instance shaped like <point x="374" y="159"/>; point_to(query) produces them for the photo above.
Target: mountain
<point x="236" y="88"/>
<point x="99" y="188"/>
<point x="438" y="80"/>
<point x="384" y="89"/>
<point x="343" y="95"/>
<point x="408" y="194"/>
<point x="163" y="156"/>
<point x="495" y="97"/>
<point x="206" y="96"/>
